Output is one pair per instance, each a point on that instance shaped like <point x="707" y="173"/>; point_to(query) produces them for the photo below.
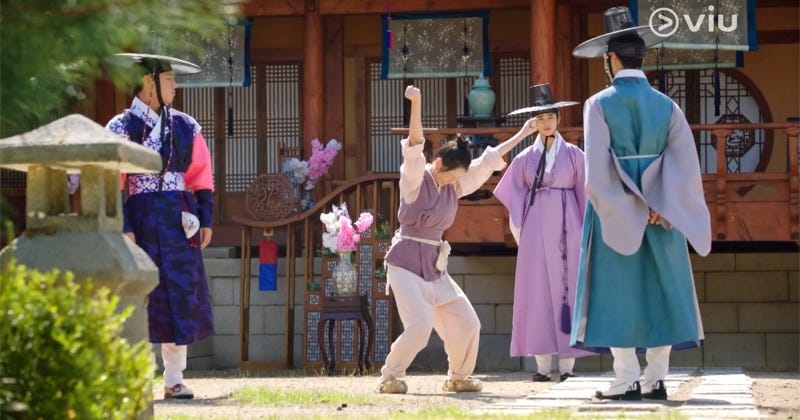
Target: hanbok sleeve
<point x="673" y="186"/>
<point x="479" y="171"/>
<point x="199" y="174"/>
<point x="411" y="171"/>
<point x="580" y="179"/>
<point x="200" y="180"/>
<point x="513" y="190"/>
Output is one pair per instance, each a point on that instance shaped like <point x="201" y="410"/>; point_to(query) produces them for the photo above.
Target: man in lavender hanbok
<point x="168" y="214"/>
<point x="635" y="284"/>
<point x="427" y="298"/>
<point x="543" y="190"/>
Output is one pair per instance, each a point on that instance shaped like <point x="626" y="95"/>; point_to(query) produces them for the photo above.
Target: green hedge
<point x="61" y="354"/>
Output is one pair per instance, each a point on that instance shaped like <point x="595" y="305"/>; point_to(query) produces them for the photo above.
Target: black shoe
<point x="538" y="377"/>
<point x="634" y="393"/>
<point x="565" y="376"/>
<point x="659" y="392"/>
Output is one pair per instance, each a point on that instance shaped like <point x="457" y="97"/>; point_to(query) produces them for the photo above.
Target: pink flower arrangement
<point x="320" y="160"/>
<point x="341" y="234"/>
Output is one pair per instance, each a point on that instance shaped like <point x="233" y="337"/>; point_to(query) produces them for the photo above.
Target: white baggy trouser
<point x="425" y="305"/>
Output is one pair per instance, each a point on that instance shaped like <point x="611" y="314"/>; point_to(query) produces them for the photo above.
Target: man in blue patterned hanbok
<point x="635" y="287"/>
<point x="168" y="214"/>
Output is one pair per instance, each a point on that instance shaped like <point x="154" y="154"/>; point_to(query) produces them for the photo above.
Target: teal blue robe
<point x="635" y="285"/>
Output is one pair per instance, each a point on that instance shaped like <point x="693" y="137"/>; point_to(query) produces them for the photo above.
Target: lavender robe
<point x="538" y="286"/>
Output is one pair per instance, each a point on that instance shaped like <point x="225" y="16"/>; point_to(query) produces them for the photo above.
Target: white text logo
<point x="665" y="22"/>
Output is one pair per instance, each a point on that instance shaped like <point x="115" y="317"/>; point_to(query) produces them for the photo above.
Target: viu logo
<point x="665" y="21"/>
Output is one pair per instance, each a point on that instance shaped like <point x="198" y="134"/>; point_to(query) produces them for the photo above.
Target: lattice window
<point x="386" y="112"/>
<point x="693" y="91"/>
<point x="312" y="345"/>
<point x="515" y="82"/>
<point x="199" y="103"/>
<point x="241" y="158"/>
<point x="386" y="107"/>
<point x="283" y="110"/>
<point x="12" y="179"/>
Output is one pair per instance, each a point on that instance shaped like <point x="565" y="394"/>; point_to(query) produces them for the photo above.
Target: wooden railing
<point x="744" y="206"/>
<point x="376" y="192"/>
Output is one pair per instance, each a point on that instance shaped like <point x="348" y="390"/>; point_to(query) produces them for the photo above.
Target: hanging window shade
<point x="700" y="31"/>
<point x="213" y="56"/>
<point x="435" y="45"/>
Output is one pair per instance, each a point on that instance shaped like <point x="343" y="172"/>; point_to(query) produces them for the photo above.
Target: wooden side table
<point x="337" y="308"/>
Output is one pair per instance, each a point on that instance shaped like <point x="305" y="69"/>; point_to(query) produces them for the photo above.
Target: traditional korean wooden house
<point x="318" y="69"/>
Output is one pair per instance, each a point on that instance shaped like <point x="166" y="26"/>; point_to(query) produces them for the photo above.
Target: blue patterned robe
<point x="179" y="308"/>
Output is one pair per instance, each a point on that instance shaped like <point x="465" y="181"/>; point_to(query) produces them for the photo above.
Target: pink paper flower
<point x="364" y="222"/>
<point x="348" y="237"/>
<point x="342" y="235"/>
<point x="321" y="160"/>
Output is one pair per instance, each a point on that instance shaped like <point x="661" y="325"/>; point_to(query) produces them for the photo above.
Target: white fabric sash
<point x="444" y="248"/>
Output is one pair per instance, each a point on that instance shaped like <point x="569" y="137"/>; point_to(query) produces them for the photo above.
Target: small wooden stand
<point x="339" y="308"/>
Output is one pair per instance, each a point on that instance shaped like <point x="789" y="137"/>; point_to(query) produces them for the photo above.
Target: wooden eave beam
<point x="341" y="7"/>
<point x="259" y="8"/>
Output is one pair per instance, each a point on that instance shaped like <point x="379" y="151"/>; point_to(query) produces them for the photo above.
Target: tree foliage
<point x="50" y="50"/>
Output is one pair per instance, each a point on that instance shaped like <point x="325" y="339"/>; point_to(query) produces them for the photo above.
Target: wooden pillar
<point x="563" y="83"/>
<point x="220" y="170"/>
<point x="543" y="42"/>
<point x="334" y="93"/>
<point x="313" y="73"/>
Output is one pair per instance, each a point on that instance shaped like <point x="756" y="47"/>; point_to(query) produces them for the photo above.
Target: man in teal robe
<point x="635" y="287"/>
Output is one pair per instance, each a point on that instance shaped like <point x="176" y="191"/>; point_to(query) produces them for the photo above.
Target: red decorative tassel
<point x="268" y="265"/>
<point x="389" y="39"/>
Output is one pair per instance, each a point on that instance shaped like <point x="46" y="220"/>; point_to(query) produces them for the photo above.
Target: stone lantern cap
<point x="75" y="141"/>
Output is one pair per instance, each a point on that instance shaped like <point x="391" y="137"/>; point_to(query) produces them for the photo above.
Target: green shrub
<point x="61" y="355"/>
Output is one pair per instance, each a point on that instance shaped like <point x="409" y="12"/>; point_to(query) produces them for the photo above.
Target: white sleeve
<point x="480" y="170"/>
<point x="411" y="171"/>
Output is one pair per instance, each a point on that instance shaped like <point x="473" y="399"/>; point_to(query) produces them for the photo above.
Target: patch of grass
<point x="253" y="395"/>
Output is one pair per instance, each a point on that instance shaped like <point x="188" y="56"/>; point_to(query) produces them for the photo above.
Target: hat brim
<point x="178" y="66"/>
<point x="538" y="108"/>
<point x="597" y="46"/>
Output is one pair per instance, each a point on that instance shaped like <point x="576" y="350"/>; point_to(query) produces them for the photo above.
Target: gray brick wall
<point x="749" y="305"/>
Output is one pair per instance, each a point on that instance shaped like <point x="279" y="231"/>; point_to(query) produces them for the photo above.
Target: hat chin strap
<point x="157" y="80"/>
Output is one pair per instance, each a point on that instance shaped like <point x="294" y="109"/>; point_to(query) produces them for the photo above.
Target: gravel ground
<point x="777" y="395"/>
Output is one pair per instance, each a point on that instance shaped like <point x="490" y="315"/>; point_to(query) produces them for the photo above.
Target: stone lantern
<point x="90" y="243"/>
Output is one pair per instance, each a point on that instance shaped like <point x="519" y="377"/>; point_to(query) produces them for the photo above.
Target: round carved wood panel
<point x="269" y="197"/>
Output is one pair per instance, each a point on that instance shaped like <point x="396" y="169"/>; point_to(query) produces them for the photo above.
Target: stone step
<point x="721" y="393"/>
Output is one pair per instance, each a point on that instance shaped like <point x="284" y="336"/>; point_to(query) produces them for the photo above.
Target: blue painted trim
<point x="384" y="47"/>
<point x="751" y="25"/>
<point x="634" y="6"/>
<point x="248" y="26"/>
<point x="487" y="62"/>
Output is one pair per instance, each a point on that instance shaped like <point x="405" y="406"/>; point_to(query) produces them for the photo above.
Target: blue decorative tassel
<point x="566" y="318"/>
<point x="230" y="120"/>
